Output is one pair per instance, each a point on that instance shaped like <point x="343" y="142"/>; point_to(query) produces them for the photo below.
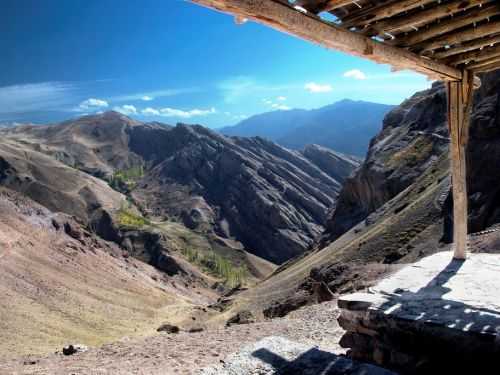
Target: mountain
<point x="397" y="207"/>
<point x="230" y="188"/>
<point x="346" y="126"/>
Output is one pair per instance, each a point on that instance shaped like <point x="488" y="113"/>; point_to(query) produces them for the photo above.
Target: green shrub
<point x="127" y="218"/>
<point x="217" y="265"/>
<point x="126" y="178"/>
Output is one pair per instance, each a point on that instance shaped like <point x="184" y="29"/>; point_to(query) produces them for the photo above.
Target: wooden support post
<point x="459" y="110"/>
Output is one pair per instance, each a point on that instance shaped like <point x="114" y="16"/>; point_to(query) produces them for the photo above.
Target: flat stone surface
<point x="462" y="295"/>
<point x="277" y="355"/>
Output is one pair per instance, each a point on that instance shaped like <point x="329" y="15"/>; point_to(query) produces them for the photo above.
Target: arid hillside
<point x="228" y="187"/>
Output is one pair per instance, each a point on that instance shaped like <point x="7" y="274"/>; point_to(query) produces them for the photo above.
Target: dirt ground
<point x="186" y="353"/>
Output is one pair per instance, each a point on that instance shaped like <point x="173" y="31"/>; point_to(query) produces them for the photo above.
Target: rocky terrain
<point x="346" y="126"/>
<point x="396" y="208"/>
<point x="223" y="187"/>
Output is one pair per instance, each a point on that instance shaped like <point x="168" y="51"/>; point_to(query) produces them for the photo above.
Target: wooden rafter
<point x="378" y="12"/>
<point x="466" y="35"/>
<point x="449" y="25"/>
<point x="309" y="27"/>
<point x="468" y="46"/>
<point x="324" y="6"/>
<point x="425" y="16"/>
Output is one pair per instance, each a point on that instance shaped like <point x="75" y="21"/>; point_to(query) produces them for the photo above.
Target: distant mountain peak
<point x="346" y="126"/>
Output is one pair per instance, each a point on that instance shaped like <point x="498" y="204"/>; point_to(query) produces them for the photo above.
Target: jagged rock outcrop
<point x="273" y="200"/>
<point x="337" y="165"/>
<point x="413" y="137"/>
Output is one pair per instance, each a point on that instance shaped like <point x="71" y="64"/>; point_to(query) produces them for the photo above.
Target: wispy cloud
<point x="281" y="98"/>
<point x="33" y="97"/>
<point x="237" y="88"/>
<point x="172" y="112"/>
<point x="355" y="73"/>
<point x="317" y="88"/>
<point x="92" y="104"/>
<point x="281" y="107"/>
<point x="151" y="95"/>
<point x="126" y="109"/>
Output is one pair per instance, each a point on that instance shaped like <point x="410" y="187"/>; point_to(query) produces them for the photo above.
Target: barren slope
<point x="62" y="285"/>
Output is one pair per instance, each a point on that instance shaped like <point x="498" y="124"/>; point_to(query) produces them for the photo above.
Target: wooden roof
<point x="439" y="38"/>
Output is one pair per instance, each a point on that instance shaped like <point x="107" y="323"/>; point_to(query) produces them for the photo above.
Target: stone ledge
<point x="435" y="311"/>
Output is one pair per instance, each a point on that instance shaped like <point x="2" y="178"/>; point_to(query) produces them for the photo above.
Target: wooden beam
<point x="460" y="36"/>
<point x="309" y="27"/>
<point x="422" y="17"/>
<point x="487" y="68"/>
<point x="460" y="96"/>
<point x="468" y="46"/>
<point x="318" y="6"/>
<point x="485" y="53"/>
<point x="378" y="12"/>
<point x="446" y="26"/>
<point x="480" y="64"/>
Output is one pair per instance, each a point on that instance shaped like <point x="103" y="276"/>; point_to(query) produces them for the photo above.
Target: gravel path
<point x="187" y="353"/>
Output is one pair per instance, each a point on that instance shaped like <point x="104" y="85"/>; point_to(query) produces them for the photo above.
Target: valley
<point x="111" y="227"/>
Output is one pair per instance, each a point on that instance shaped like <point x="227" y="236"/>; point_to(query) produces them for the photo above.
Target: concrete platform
<point x="437" y="313"/>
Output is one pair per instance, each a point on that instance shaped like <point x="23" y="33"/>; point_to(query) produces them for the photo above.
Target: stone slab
<point x="460" y="295"/>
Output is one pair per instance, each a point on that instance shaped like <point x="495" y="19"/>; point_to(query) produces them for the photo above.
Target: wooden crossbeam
<point x="386" y="10"/>
<point x="422" y="17"/>
<point x="460" y="36"/>
<point x="318" y="6"/>
<point x="481" y="64"/>
<point x="468" y="46"/>
<point x="487" y="68"/>
<point x="309" y="27"/>
<point x="446" y="26"/>
<point x="476" y="55"/>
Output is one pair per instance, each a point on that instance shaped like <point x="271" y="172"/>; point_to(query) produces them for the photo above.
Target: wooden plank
<point x="459" y="108"/>
<point x="446" y="26"/>
<point x="477" y="55"/>
<point x="309" y="27"/>
<point x="488" y="68"/>
<point x="405" y="22"/>
<point x="468" y="46"/>
<point x="460" y="36"/>
<point x="378" y="12"/>
<point x="480" y="64"/>
<point x="318" y="6"/>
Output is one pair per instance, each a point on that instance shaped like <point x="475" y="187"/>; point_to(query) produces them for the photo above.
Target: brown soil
<point x="186" y="353"/>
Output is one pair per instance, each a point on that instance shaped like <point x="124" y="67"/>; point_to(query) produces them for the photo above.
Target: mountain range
<point x="346" y="126"/>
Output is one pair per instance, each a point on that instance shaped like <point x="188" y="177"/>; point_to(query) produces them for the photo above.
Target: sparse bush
<point x="217" y="265"/>
<point x="126" y="179"/>
<point x="127" y="218"/>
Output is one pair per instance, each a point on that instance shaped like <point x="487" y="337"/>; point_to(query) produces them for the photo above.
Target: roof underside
<point x="440" y="38"/>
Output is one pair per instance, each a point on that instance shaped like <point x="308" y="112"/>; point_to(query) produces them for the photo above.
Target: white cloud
<point x="151" y="95"/>
<point x="126" y="109"/>
<point x="172" y="112"/>
<point x="281" y="98"/>
<point x="32" y="97"/>
<point x="316" y="88"/>
<point x="355" y="73"/>
<point x="93" y="103"/>
<point x="150" y="112"/>
<point x="281" y="107"/>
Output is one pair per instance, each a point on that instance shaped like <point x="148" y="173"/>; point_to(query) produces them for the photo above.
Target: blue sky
<point x="169" y="61"/>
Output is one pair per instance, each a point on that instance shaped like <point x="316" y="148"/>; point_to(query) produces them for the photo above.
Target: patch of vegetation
<point x="126" y="179"/>
<point x="127" y="218"/>
<point x="217" y="265"/>
<point x="413" y="155"/>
